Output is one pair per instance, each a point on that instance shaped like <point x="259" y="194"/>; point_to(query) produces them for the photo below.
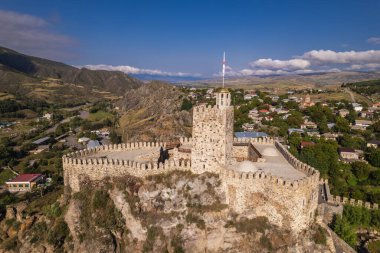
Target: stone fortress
<point x="259" y="176"/>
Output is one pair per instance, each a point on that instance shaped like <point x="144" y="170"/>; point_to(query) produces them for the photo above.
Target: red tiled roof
<point x="307" y="143"/>
<point x="25" y="178"/>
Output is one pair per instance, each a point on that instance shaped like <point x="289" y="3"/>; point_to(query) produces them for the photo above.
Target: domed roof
<point x="223" y="90"/>
<point x="270" y="152"/>
<point x="246" y="166"/>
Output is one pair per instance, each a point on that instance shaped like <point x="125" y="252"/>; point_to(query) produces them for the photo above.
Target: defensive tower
<point x="213" y="133"/>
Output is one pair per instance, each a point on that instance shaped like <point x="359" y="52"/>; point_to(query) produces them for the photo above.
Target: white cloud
<point x="374" y="40"/>
<point x="32" y="35"/>
<point x="313" y="61"/>
<point x="292" y="64"/>
<point x="348" y="57"/>
<point x="133" y="70"/>
<point x="368" y="66"/>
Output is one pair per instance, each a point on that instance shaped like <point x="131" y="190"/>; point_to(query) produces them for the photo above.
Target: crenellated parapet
<point x="259" y="140"/>
<point x="353" y="202"/>
<point x="116" y="147"/>
<point x="185" y="141"/>
<point x="261" y="176"/>
<point x="297" y="164"/>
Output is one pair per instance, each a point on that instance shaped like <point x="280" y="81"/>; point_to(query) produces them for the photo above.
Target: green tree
<point x="374" y="157"/>
<point x="342" y="125"/>
<point x="186" y="105"/>
<point x="344" y="230"/>
<point x="361" y="170"/>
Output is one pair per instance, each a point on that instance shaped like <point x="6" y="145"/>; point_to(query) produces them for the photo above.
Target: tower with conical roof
<point x="212" y="138"/>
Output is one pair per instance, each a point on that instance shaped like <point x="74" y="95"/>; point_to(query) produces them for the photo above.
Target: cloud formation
<point x="312" y="62"/>
<point x="280" y="64"/>
<point x="329" y="56"/>
<point x="32" y="35"/>
<point x="138" y="71"/>
<point x="374" y="40"/>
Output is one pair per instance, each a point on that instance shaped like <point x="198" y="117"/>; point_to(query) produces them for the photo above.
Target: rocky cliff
<point x="175" y="212"/>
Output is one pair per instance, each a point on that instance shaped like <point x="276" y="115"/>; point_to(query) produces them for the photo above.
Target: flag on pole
<point x="224" y="66"/>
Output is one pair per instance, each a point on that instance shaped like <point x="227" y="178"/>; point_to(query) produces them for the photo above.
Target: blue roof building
<point x="250" y="134"/>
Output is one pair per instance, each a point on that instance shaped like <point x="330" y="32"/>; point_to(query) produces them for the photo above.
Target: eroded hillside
<point x="153" y="112"/>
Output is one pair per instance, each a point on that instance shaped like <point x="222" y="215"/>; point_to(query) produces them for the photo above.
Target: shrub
<point x="250" y="226"/>
<point x="10" y="243"/>
<point x="58" y="233"/>
<point x="193" y="218"/>
<point x="319" y="236"/>
<point x="100" y="199"/>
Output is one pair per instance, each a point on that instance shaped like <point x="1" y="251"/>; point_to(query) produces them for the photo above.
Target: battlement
<point x="117" y="147"/>
<point x="185" y="141"/>
<point x="251" y="178"/>
<point x="353" y="202"/>
<point x="297" y="164"/>
<point x="259" y="140"/>
<point x="344" y="200"/>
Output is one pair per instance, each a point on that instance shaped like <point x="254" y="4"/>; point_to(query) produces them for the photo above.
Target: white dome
<point x="270" y="152"/>
<point x="246" y="166"/>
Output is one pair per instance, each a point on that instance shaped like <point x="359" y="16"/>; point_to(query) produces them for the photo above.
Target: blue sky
<point x="189" y="37"/>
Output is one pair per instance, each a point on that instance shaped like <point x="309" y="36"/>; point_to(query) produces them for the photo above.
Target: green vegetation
<point x="194" y="218"/>
<point x="345" y="231"/>
<point x="250" y="226"/>
<point x="366" y="87"/>
<point x="186" y="105"/>
<point x="319" y="235"/>
<point x="374" y="247"/>
<point x="353" y="218"/>
<point x="5" y="175"/>
<point x="98" y="214"/>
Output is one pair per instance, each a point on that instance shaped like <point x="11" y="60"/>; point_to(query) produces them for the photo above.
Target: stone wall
<point x="287" y="203"/>
<point x="338" y="200"/>
<point x="212" y="137"/>
<point x="77" y="167"/>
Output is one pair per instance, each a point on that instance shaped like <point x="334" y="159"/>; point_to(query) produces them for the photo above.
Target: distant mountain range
<point x="170" y="79"/>
<point x="313" y="80"/>
<point x="18" y="71"/>
<point x="53" y="81"/>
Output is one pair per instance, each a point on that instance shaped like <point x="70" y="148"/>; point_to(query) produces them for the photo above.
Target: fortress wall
<point x="338" y="200"/>
<point x="297" y="164"/>
<point x="286" y="203"/>
<point x="353" y="202"/>
<point x="116" y="147"/>
<point x="240" y="152"/>
<point x="96" y="169"/>
<point x="178" y="156"/>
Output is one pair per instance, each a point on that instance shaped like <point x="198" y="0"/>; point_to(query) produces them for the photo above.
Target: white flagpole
<point x="224" y="66"/>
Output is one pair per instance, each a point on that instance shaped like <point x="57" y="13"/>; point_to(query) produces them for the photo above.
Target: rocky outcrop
<point x="153" y="112"/>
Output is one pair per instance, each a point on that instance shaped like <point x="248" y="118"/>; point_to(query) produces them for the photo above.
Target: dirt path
<point x="351" y="94"/>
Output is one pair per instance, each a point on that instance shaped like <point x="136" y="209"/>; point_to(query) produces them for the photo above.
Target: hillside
<point x="152" y="112"/>
<point x="41" y="78"/>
